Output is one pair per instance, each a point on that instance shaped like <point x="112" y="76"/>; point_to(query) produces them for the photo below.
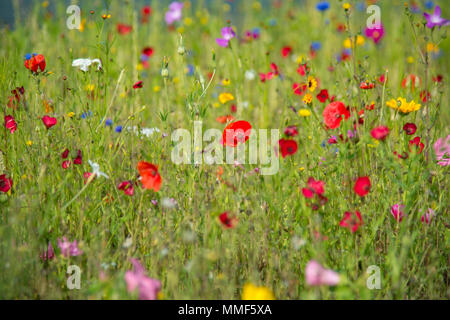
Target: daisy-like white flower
<point x="96" y="169"/>
<point x="84" y="64"/>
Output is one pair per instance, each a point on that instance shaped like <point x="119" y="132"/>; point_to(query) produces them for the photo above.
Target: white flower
<point x="168" y="203"/>
<point x="96" y="169"/>
<point x="250" y="75"/>
<point x="84" y="64"/>
<point x="148" y="131"/>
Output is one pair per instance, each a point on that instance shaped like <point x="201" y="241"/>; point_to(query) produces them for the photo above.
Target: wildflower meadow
<point x="282" y="149"/>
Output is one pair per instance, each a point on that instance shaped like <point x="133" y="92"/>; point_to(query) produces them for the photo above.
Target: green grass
<point x="186" y="247"/>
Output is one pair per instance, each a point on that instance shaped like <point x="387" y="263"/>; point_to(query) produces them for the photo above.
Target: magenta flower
<point x="435" y="19"/>
<point x="174" y="13"/>
<point x="316" y="275"/>
<point x="48" y="254"/>
<point x="398" y="211"/>
<point x="69" y="249"/>
<point x="126" y="187"/>
<point x="148" y="287"/>
<point x="375" y="33"/>
<point x="227" y="35"/>
<point x="442" y="150"/>
<point x="427" y="216"/>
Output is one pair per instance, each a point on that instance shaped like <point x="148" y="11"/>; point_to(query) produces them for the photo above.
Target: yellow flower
<point x="312" y="83"/>
<point x="187" y="21"/>
<point x="180" y="29"/>
<point x="304" y="112"/>
<point x="176" y="80"/>
<point x="251" y="292"/>
<point x="156" y="88"/>
<point x="216" y="105"/>
<point x="204" y="20"/>
<point x="410" y="59"/>
<point x="45" y="4"/>
<point x="257" y="5"/>
<point x="225" y="97"/>
<point x="348" y="43"/>
<point x="226" y="7"/>
<point x="431" y="47"/>
<point x="301" y="58"/>
<point x="226" y="82"/>
<point x="346" y="6"/>
<point x="29" y="143"/>
<point x="360" y="40"/>
<point x="301" y="168"/>
<point x="374" y="143"/>
<point x="402" y="105"/>
<point x="70" y="114"/>
<point x="82" y="25"/>
<point x="307" y="98"/>
<point x="90" y="87"/>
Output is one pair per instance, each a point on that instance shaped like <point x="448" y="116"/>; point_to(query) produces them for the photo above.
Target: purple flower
<point x="148" y="287"/>
<point x="48" y="254"/>
<point x="317" y="275"/>
<point x="376" y="33"/>
<point x="397" y="211"/>
<point x="174" y="13"/>
<point x="442" y="150"/>
<point x="427" y="216"/>
<point x="435" y="19"/>
<point x="69" y="248"/>
<point x="227" y="35"/>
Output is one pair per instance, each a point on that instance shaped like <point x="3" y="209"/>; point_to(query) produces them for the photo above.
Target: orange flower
<point x="150" y="177"/>
<point x="224" y="119"/>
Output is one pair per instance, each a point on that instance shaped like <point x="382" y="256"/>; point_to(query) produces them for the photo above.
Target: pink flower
<point x="49" y="121"/>
<point x="397" y="210"/>
<point x="174" y="13"/>
<point x="69" y="249"/>
<point x="351" y="220"/>
<point x="148" y="287"/>
<point x="317" y="275"/>
<point x="362" y="186"/>
<point x="66" y="164"/>
<point x="442" y="150"/>
<point x="380" y="133"/>
<point x="427" y="216"/>
<point x="10" y="124"/>
<point x="126" y="187"/>
<point x="227" y="35"/>
<point x="376" y="33"/>
<point x="48" y="254"/>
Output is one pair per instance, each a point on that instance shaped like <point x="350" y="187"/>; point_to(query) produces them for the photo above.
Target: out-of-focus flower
<point x="332" y="114"/>
<point x="174" y="13"/>
<point x="150" y="177"/>
<point x="227" y="35"/>
<point x="402" y="105"/>
<point x="124" y="29"/>
<point x="252" y="292"/>
<point x="362" y="186"/>
<point x="375" y="33"/>
<point x="426" y="218"/>
<point x="250" y="75"/>
<point x="323" y="95"/>
<point x="84" y="64"/>
<point x="10" y="123"/>
<point x="323" y="6"/>
<point x="380" y="133"/>
<point x="227" y="220"/>
<point x="138" y="85"/>
<point x="416" y="142"/>
<point x="351" y="220"/>
<point x="225" y="97"/>
<point x="435" y="19"/>
<point x="49" y="121"/>
<point x="96" y="170"/>
<point x="317" y="275"/>
<point x="5" y="183"/>
<point x="34" y="62"/>
<point x="442" y="150"/>
<point x="137" y="279"/>
<point x="398" y="211"/>
<point x="409" y="128"/>
<point x="69" y="249"/>
<point x="48" y="254"/>
<point x="126" y="187"/>
<point x="291" y="131"/>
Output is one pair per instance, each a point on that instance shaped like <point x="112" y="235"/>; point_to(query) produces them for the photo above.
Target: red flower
<point x="148" y="51"/>
<point x="417" y="143"/>
<point x="291" y="131"/>
<point x="314" y="187"/>
<point x="299" y="89"/>
<point x="86" y="176"/>
<point x="35" y="62"/>
<point x="362" y="186"/>
<point x="65" y="154"/>
<point x="224" y="119"/>
<point x="124" y="28"/>
<point x="126" y="187"/>
<point x="302" y="69"/>
<point x="288" y="147"/>
<point x="150" y="177"/>
<point x="138" y="85"/>
<point x="411" y="81"/>
<point x="351" y="220"/>
<point x="78" y="159"/>
<point x="146" y="11"/>
<point x="323" y="95"/>
<point x="332" y="114"/>
<point x="409" y="128"/>
<point x="227" y="220"/>
<point x="49" y="121"/>
<point x="366" y="85"/>
<point x="66" y="164"/>
<point x="438" y="78"/>
<point x="271" y="74"/>
<point x="285" y="51"/>
<point x="5" y="183"/>
<point x="10" y="123"/>
<point x="425" y="96"/>
<point x="233" y="108"/>
<point x="380" y="133"/>
<point x="236" y="132"/>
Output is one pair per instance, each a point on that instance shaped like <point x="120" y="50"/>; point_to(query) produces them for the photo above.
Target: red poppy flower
<point x="366" y="85"/>
<point x="302" y="69"/>
<point x="236" y="132"/>
<point x="49" y="121"/>
<point x="370" y="107"/>
<point x="146" y="11"/>
<point x="382" y="78"/>
<point x="233" y="108"/>
<point x="36" y="62"/>
<point x="78" y="160"/>
<point x="287" y="147"/>
<point x="417" y="143"/>
<point x="438" y="78"/>
<point x="332" y="114"/>
<point x="224" y="119"/>
<point x="65" y="154"/>
<point x="150" y="177"/>
<point x="86" y="176"/>
<point x="425" y="96"/>
<point x="138" y="85"/>
<point x="285" y="51"/>
<point x="227" y="220"/>
<point x="126" y="187"/>
<point x="299" y="89"/>
<point x="10" y="124"/>
<point x="148" y="51"/>
<point x="124" y="28"/>
<point x="5" y="183"/>
<point x="412" y="81"/>
<point x="66" y="164"/>
<point x="314" y="187"/>
<point x="323" y="95"/>
<point x="362" y="186"/>
<point x="351" y="220"/>
<point x="291" y="131"/>
<point x="380" y="133"/>
<point x="401" y="156"/>
<point x="409" y="128"/>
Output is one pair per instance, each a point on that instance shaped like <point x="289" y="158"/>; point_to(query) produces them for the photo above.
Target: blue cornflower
<point x="28" y="56"/>
<point x="323" y="6"/>
<point x="87" y="114"/>
<point x="190" y="70"/>
<point x="316" y="45"/>
<point x="118" y="129"/>
<point x="108" y="122"/>
<point x="429" y="5"/>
